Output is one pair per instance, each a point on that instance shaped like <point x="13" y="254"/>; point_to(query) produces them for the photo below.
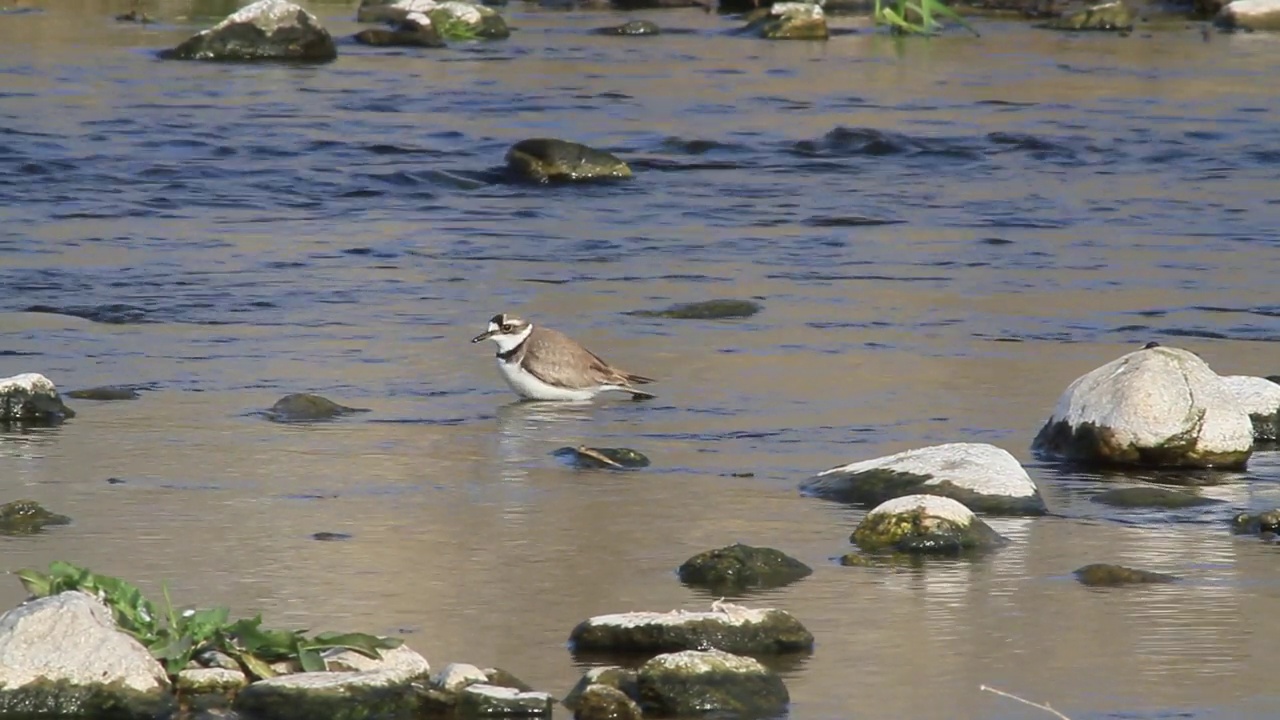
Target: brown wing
<point x="557" y="360"/>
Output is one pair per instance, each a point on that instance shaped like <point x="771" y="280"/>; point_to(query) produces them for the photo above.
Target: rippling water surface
<point x="943" y="233"/>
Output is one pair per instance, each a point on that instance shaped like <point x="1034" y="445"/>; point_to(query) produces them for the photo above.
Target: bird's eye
<point x="507" y="328"/>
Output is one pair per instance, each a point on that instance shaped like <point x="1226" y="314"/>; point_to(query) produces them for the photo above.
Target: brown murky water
<point x="1058" y="201"/>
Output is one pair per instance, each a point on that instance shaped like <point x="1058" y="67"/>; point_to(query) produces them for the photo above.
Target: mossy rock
<point x="857" y="559"/>
<point x="734" y="629"/>
<point x="697" y="683"/>
<point x="634" y="27"/>
<point x="1151" y="497"/>
<point x="601" y="702"/>
<point x="789" y="21"/>
<point x="739" y="567"/>
<point x="1091" y="444"/>
<point x="27" y="517"/>
<point x="105" y="393"/>
<point x="305" y="407"/>
<point x="726" y="309"/>
<point x="617" y="678"/>
<point x="603" y="458"/>
<point x="62" y="699"/>
<point x="458" y="20"/>
<point x="333" y="696"/>
<point x="926" y="525"/>
<point x="544" y="160"/>
<point x="1106" y="575"/>
<point x="1263" y="523"/>
<point x="1112" y="16"/>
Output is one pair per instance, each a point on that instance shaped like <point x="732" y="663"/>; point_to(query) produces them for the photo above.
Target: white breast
<point x="526" y="385"/>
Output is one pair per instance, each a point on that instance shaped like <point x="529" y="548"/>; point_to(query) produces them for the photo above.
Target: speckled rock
<point x="31" y="398"/>
<point x="1260" y="398"/>
<point x="545" y="160"/>
<point x="623" y="680"/>
<point x="738" y="567"/>
<point x="1156" y="407"/>
<point x="984" y="477"/>
<point x="1105" y="575"/>
<point x="1112" y="16"/>
<point x="211" y="680"/>
<point x="264" y="30"/>
<point x="695" y="683"/>
<point x="64" y="656"/>
<point x="924" y="524"/>
<point x="489" y="701"/>
<point x="727" y="627"/>
<point x="601" y="702"/>
<point x="1249" y="15"/>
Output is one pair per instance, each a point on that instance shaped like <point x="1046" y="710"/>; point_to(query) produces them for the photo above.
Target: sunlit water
<point x="943" y="233"/>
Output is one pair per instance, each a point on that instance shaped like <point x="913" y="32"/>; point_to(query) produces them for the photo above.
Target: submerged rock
<point x="985" y="478"/>
<point x="1260" y="398"/>
<point x="924" y="524"/>
<point x="63" y="656"/>
<point x="618" y="679"/>
<point x="603" y="458"/>
<point x="415" y="30"/>
<point x="134" y="16"/>
<point x="264" y="30"/>
<point x="387" y="687"/>
<point x="1153" y="497"/>
<point x="789" y="21"/>
<point x="111" y="314"/>
<point x="695" y="683"/>
<point x="305" y="407"/>
<point x="601" y="702"/>
<point x="27" y="517"/>
<point x="1105" y="575"/>
<point x="1112" y="16"/>
<point x="548" y="160"/>
<point x="1249" y="15"/>
<point x="105" y="393"/>
<point x="727" y="627"/>
<point x="1156" y="407"/>
<point x="1263" y="523"/>
<point x="634" y="27"/>
<point x="31" y="398"/>
<point x="706" y="310"/>
<point x="741" y="567"/>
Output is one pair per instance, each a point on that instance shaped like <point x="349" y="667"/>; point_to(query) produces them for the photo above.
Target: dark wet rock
<point x="134" y="16"/>
<point x="355" y="687"/>
<point x="548" y="160"/>
<point x="65" y="657"/>
<point x="1151" y="497"/>
<point x="27" y="517"/>
<point x="1104" y="575"/>
<point x="695" y="683"/>
<point x="416" y="30"/>
<point x="601" y="702"/>
<point x="1249" y="15"/>
<point x="924" y="524"/>
<point x="265" y="30"/>
<point x="1113" y="16"/>
<point x="31" y="398"/>
<point x="621" y="680"/>
<point x="392" y="11"/>
<point x="788" y="21"/>
<point x="1263" y="523"/>
<point x="727" y="627"/>
<point x="603" y="458"/>
<point x="1162" y="407"/>
<point x="856" y="559"/>
<point x="305" y="407"/>
<point x="112" y="314"/>
<point x="105" y="393"/>
<point x="1260" y="398"/>
<point x="985" y="478"/>
<point x="739" y="567"/>
<point x="634" y="27"/>
<point x="491" y="701"/>
<point x="706" y="310"/>
<point x="330" y="536"/>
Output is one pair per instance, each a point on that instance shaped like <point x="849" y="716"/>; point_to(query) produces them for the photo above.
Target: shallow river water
<point x="943" y="234"/>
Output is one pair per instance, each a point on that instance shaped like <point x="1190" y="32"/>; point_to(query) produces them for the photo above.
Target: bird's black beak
<point x="484" y="336"/>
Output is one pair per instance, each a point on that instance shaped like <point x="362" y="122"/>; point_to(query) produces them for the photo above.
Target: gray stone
<point x="455" y="19"/>
<point x="1260" y="398"/>
<point x="924" y="524"/>
<point x="984" y="477"/>
<point x="1156" y="407"/>
<point x="390" y="692"/>
<point x="694" y="683"/>
<point x="211" y="680"/>
<point x="265" y="30"/>
<point x="1249" y="15"/>
<point x="403" y="660"/>
<point x="31" y="398"/>
<point x="727" y="627"/>
<point x="486" y="701"/>
<point x="456" y="677"/>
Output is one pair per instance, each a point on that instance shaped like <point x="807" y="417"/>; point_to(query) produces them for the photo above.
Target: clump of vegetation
<point x="915" y="17"/>
<point x="453" y="28"/>
<point x="175" y="637"/>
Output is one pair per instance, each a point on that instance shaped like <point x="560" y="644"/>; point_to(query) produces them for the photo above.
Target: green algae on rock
<point x="1106" y="575"/>
<point x="482" y="700"/>
<point x="305" y="407"/>
<point x="983" y="477"/>
<point x="27" y="517"/>
<point x="732" y="628"/>
<point x="924" y="524"/>
<point x="623" y="680"/>
<point x="1263" y="523"/>
<point x="1155" y="407"/>
<point x="603" y="458"/>
<point x="1151" y="497"/>
<point x="264" y="30"/>
<point x="739" y="567"/>
<point x="696" y="682"/>
<point x="544" y="160"/>
<point x="723" y="309"/>
<point x="1111" y="16"/>
<point x="32" y="399"/>
<point x="601" y="702"/>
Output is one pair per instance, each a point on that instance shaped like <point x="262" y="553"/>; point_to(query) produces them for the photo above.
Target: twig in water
<point x="1045" y="707"/>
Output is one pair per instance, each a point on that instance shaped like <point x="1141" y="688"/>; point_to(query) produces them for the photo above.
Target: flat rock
<point x="1260" y="398"/>
<point x="739" y="567"/>
<point x="545" y="160"/>
<point x="924" y="524"/>
<point x="984" y="477"/>
<point x="589" y="458"/>
<point x="309" y="695"/>
<point x="64" y="656"/>
<point x="31" y="398"/>
<point x="264" y="30"/>
<point x="487" y="701"/>
<point x="727" y="627"/>
<point x="211" y="680"/>
<point x="104" y="393"/>
<point x="1105" y="575"/>
<point x="1249" y="15"/>
<point x="695" y="683"/>
<point x="1155" y="407"/>
<point x="403" y="660"/>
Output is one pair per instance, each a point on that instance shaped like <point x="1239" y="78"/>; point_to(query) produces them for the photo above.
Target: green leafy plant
<point x="176" y="637"/>
<point x="915" y="17"/>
